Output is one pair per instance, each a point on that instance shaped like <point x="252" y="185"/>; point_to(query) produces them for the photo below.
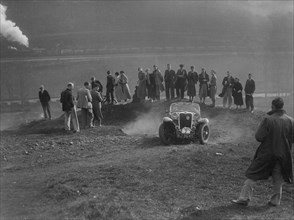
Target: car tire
<point x="203" y="134"/>
<point x="163" y="135"/>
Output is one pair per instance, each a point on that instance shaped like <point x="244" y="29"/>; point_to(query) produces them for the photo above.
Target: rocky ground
<point x="122" y="171"/>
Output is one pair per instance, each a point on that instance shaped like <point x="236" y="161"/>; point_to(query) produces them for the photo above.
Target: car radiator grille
<point x="185" y="120"/>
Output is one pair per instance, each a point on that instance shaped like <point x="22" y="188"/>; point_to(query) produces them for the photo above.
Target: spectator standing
<point x="96" y="103"/>
<point x="109" y="87"/>
<point x="228" y="83"/>
<point x="203" y="87"/>
<point x="169" y="80"/>
<point x="68" y="106"/>
<point x="158" y="82"/>
<point x="84" y="99"/>
<point x="192" y="79"/>
<point x="151" y="87"/>
<point x="44" y="98"/>
<point x="249" y="90"/>
<point x="237" y="93"/>
<point x="273" y="156"/>
<point x="142" y="84"/>
<point x="181" y="82"/>
<point x="95" y="83"/>
<point x="213" y="87"/>
<point x="117" y="87"/>
<point x="123" y="81"/>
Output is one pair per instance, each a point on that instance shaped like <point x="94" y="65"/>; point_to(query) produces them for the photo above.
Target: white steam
<point x="146" y="124"/>
<point x="10" y="31"/>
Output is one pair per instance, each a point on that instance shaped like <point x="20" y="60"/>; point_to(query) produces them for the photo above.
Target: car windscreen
<point x="185" y="107"/>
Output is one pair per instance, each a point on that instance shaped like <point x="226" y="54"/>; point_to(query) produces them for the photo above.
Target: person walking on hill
<point x="84" y="99"/>
<point x="192" y="79"/>
<point x="44" y="98"/>
<point x="228" y="83"/>
<point x="68" y="106"/>
<point x="169" y="80"/>
<point x="273" y="156"/>
<point x="203" y="87"/>
<point x="249" y="90"/>
<point x="213" y="87"/>
<point x="181" y="82"/>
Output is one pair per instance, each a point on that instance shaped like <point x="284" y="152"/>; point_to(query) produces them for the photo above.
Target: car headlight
<point x="174" y="116"/>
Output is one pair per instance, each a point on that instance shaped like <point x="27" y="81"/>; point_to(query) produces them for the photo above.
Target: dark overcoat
<point x="66" y="99"/>
<point x="237" y="93"/>
<point x="276" y="134"/>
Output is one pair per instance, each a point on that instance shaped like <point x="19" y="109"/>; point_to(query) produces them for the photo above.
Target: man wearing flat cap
<point x="181" y="82"/>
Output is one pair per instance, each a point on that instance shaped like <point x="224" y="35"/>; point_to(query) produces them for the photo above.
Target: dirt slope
<point x="122" y="171"/>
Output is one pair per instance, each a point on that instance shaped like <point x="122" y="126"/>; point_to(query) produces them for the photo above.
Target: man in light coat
<point x="84" y="99"/>
<point x="273" y="156"/>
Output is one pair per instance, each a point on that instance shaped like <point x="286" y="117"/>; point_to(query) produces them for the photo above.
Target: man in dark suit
<point x="69" y="108"/>
<point x="109" y="87"/>
<point x="249" y="90"/>
<point x="169" y="80"/>
<point x="44" y="98"/>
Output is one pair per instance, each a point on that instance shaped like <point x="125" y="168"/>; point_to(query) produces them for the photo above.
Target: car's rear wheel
<point x="166" y="134"/>
<point x="203" y="133"/>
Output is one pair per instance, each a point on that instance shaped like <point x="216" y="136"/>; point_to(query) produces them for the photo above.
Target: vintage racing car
<point x="184" y="122"/>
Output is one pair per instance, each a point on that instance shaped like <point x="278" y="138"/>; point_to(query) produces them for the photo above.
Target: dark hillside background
<point x="123" y="24"/>
<point x="74" y="40"/>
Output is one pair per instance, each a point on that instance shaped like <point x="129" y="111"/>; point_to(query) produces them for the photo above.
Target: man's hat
<point x="121" y="71"/>
<point x="181" y="65"/>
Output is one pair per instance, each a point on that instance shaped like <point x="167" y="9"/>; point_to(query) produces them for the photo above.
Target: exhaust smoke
<point x="9" y="30"/>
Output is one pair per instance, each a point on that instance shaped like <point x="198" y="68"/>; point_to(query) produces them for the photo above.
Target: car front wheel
<point x="203" y="133"/>
<point x="165" y="135"/>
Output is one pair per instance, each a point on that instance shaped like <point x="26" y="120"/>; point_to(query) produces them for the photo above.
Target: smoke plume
<point x="10" y="31"/>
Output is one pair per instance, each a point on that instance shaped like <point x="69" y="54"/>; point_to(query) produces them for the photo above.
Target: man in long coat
<point x="203" y="87"/>
<point x="142" y="85"/>
<point x="228" y="83"/>
<point x="249" y="90"/>
<point x="158" y="82"/>
<point x="273" y="156"/>
<point x="109" y="87"/>
<point x="181" y="82"/>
